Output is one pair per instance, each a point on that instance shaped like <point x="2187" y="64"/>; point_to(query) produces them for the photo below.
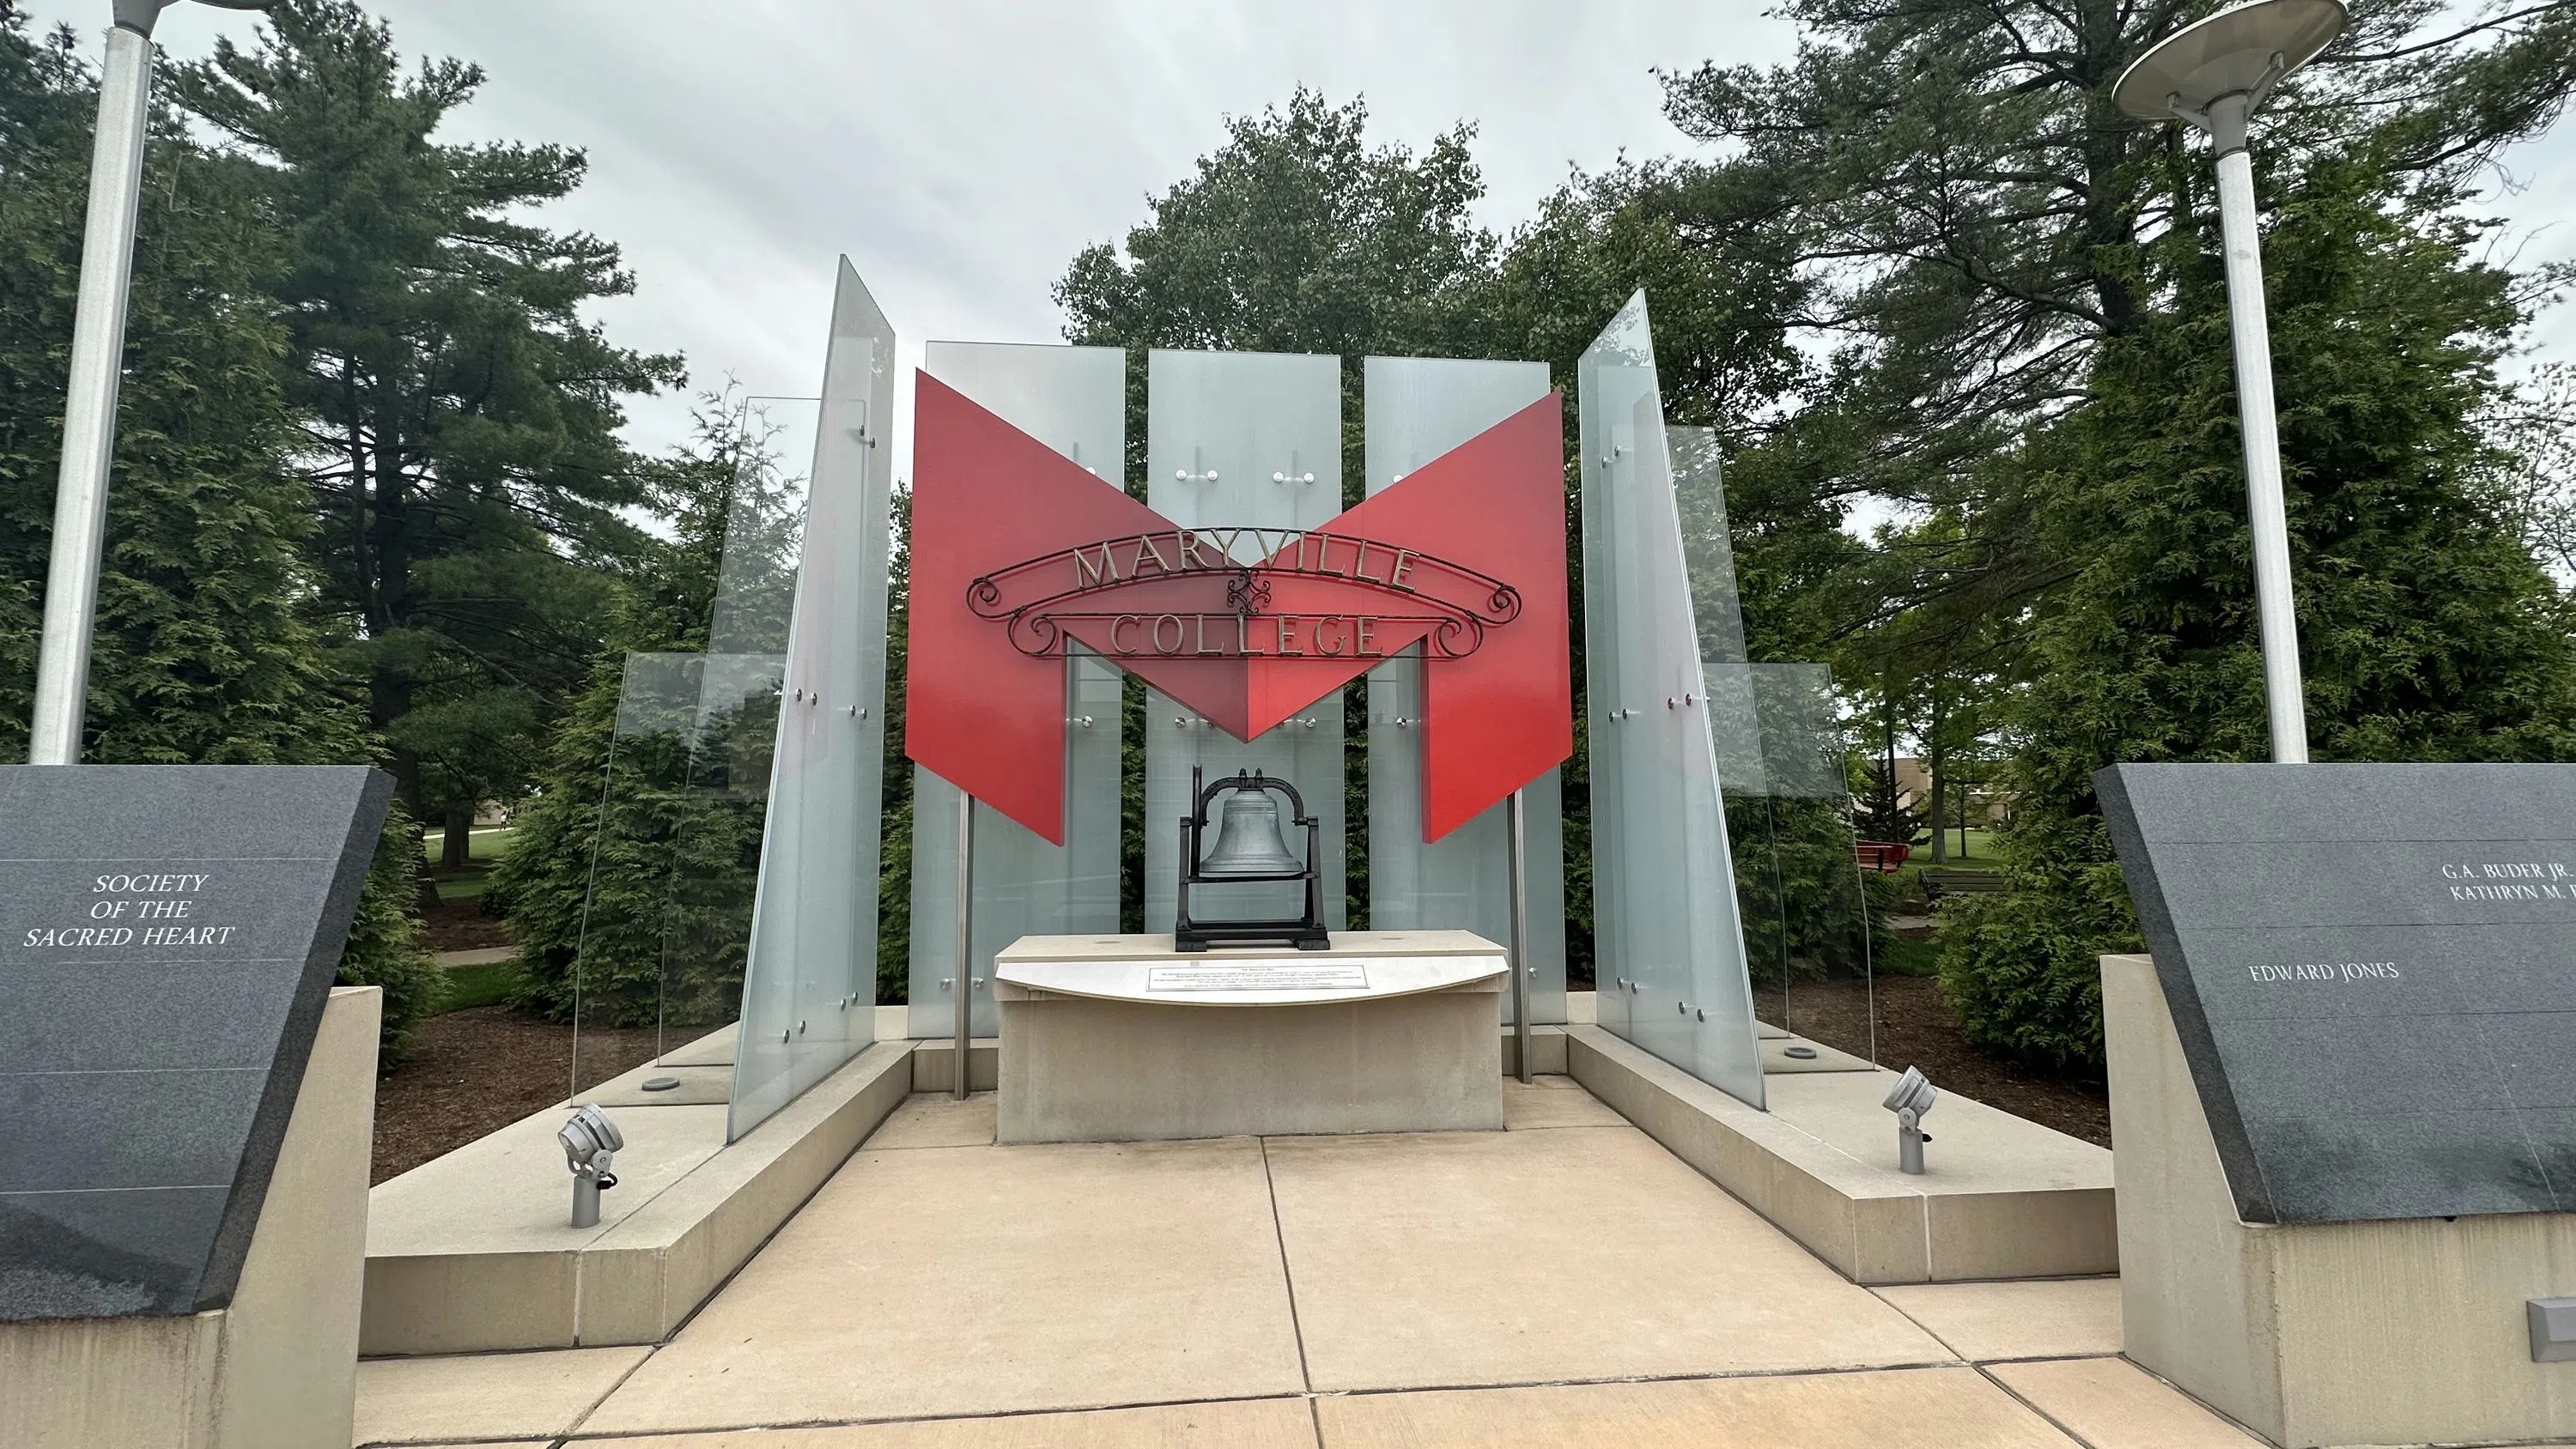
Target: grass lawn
<point x="1907" y="957"/>
<point x="463" y="987"/>
<point x="1977" y="846"/>
<point x="482" y="846"/>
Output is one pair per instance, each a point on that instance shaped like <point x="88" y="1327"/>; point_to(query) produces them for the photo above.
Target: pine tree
<point x="200" y="654"/>
<point x="459" y="443"/>
<point x="2427" y="629"/>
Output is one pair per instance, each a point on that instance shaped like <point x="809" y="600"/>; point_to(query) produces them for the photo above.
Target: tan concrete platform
<point x="1400" y="1248"/>
<point x="2045" y="1318"/>
<point x="471" y="1251"/>
<point x="2004" y="1198"/>
<point x="929" y="1282"/>
<point x="2111" y="1403"/>
<point x="1565" y="1281"/>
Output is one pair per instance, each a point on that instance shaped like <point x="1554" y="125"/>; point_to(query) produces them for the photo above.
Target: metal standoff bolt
<point x="1634" y="988"/>
<point x="947" y="983"/>
<point x="800" y="1028"/>
<point x="1681" y="1008"/>
<point x="1292" y="477"/>
<point x="590" y="1142"/>
<point x="1703" y="1013"/>
<point x="1083" y="720"/>
<point x="1909" y="1100"/>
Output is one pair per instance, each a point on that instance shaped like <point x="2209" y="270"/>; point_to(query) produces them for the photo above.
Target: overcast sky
<point x="961" y="151"/>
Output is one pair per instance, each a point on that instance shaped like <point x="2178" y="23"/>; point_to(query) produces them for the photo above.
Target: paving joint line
<point x="1287" y="1275"/>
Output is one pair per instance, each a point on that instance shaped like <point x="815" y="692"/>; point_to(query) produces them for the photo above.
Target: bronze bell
<point x="1248" y="841"/>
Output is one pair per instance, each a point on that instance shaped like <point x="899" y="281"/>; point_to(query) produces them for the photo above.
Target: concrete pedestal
<point x="1122" y="1039"/>
<point x="2364" y="1333"/>
<point x="278" y="1367"/>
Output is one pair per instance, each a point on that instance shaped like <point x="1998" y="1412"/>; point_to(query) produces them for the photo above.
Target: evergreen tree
<point x="2427" y="630"/>
<point x="199" y="654"/>
<point x="459" y="416"/>
<point x="1296" y="235"/>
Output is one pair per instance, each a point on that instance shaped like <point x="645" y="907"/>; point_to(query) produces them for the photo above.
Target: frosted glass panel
<point x="809" y="989"/>
<point x="1418" y="409"/>
<point x="1305" y="750"/>
<point x="1253" y="440"/>
<point x="1074" y="400"/>
<point x="1460" y="882"/>
<point x="1669" y="945"/>
<point x="1023" y="886"/>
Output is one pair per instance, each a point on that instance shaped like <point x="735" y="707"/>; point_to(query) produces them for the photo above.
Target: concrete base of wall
<point x="471" y="1252"/>
<point x="277" y="1368"/>
<point x="2380" y="1333"/>
<point x="2004" y="1198"/>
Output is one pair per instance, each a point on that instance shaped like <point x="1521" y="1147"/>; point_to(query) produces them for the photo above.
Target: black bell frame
<point x="1306" y="934"/>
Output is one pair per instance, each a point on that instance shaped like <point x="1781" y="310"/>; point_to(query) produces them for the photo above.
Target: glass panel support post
<point x="1520" y="941"/>
<point x="965" y="921"/>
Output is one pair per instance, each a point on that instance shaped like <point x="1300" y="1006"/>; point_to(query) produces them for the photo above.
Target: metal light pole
<point x="965" y="933"/>
<point x="2213" y="74"/>
<point x="89" y="409"/>
<point x="1519" y="855"/>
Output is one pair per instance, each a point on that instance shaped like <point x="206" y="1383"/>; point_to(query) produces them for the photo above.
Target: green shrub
<point x="384" y="938"/>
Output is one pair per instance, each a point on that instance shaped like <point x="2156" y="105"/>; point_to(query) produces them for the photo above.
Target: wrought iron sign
<point x="1050" y="601"/>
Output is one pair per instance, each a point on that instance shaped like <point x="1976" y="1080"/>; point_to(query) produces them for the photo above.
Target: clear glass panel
<point x="809" y="988"/>
<point x="734" y="737"/>
<point x="1073" y="399"/>
<point x="1812" y="919"/>
<point x="1780" y="753"/>
<point x="643" y="808"/>
<point x="1668" y="941"/>
<point x="1252" y="440"/>
<point x="1418" y="409"/>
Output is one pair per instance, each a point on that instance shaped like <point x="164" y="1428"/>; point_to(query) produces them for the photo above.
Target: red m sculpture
<point x="1018" y="554"/>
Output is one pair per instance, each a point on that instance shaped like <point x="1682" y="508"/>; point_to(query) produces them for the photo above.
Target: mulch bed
<point x="1916" y="1028"/>
<point x="461" y="926"/>
<point x="470" y="1073"/>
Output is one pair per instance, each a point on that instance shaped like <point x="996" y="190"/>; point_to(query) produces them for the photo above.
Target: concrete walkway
<point x="1563" y="1282"/>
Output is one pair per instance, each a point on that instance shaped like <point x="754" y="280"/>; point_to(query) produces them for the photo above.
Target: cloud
<point x="960" y="153"/>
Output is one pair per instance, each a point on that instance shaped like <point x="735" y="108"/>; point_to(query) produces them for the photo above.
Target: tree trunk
<point x="1933" y="765"/>
<point x="456" y="847"/>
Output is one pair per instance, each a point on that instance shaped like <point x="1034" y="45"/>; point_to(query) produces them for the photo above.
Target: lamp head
<point x="590" y="1141"/>
<point x="2229" y="53"/>
<point x="139" y="15"/>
